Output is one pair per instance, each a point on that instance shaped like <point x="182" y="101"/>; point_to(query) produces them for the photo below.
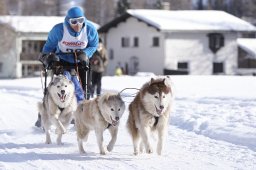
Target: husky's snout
<point x="62" y="95"/>
<point x="114" y="121"/>
<point x="159" y="111"/>
<point x="117" y="118"/>
<point x="62" y="92"/>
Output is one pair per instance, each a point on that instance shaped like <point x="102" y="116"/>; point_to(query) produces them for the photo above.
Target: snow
<point x="212" y="126"/>
<point x="34" y="24"/>
<point x="249" y="45"/>
<point x="191" y="20"/>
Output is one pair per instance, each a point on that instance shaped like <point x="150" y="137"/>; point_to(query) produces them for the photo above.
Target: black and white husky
<point x="58" y="106"/>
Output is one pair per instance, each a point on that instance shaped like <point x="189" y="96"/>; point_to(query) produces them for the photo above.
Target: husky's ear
<point x="119" y="96"/>
<point x="152" y="80"/>
<point x="106" y="97"/>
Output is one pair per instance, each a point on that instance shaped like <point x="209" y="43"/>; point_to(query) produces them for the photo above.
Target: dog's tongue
<point x="158" y="111"/>
<point x="62" y="97"/>
<point x="114" y="123"/>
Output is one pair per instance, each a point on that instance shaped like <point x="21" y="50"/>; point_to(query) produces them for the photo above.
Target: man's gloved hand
<point x="83" y="59"/>
<point x="48" y="59"/>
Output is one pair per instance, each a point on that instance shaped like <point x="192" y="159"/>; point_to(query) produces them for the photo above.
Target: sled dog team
<point x="148" y="113"/>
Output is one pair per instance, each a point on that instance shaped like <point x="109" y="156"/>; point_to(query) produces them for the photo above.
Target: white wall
<point x="7" y="52"/>
<point x="194" y="49"/>
<point x="151" y="59"/>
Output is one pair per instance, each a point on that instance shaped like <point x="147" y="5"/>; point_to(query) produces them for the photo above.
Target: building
<point x="22" y="39"/>
<point x="175" y="42"/>
<point x="246" y="56"/>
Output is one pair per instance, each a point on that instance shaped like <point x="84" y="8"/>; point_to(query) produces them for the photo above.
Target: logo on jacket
<point x="73" y="44"/>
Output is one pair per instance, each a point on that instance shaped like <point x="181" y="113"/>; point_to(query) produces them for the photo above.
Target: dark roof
<point x="113" y="23"/>
<point x="116" y="21"/>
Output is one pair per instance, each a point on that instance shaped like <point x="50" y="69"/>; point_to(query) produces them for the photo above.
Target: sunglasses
<point x="74" y="21"/>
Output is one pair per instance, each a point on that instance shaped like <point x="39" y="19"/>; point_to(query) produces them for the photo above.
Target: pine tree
<point x="122" y="6"/>
<point x="158" y="4"/>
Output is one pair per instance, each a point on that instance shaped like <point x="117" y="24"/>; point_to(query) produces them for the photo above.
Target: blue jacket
<point x="56" y="34"/>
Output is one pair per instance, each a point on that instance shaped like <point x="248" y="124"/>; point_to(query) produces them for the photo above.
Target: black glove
<point x="84" y="60"/>
<point x="48" y="60"/>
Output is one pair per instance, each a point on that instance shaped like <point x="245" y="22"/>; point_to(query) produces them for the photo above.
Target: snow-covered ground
<point x="212" y="126"/>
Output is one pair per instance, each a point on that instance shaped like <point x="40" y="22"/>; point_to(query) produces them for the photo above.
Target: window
<point x="32" y="46"/>
<point x="218" y="68"/>
<point x="216" y="41"/>
<point x="31" y="49"/>
<point x="245" y="60"/>
<point x="183" y="66"/>
<point x="155" y="41"/>
<point x="133" y="65"/>
<point x="136" y="42"/>
<point x="1" y="67"/>
<point x="125" y="42"/>
<point x="111" y="54"/>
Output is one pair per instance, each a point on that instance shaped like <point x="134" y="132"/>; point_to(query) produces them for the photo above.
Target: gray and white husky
<point x="149" y="112"/>
<point x="58" y="106"/>
<point x="99" y="114"/>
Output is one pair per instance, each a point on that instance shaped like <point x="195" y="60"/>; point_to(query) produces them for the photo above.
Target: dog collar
<point x="97" y="102"/>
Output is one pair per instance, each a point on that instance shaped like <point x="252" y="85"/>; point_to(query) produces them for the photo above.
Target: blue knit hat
<point x="75" y="12"/>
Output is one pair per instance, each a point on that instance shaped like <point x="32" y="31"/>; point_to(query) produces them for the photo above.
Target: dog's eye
<point x="163" y="96"/>
<point x="112" y="109"/>
<point x="156" y="97"/>
<point x="58" y="86"/>
<point x="119" y="109"/>
<point x="66" y="86"/>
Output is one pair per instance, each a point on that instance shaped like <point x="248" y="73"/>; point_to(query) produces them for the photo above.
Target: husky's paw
<point x="81" y="151"/>
<point x="141" y="149"/>
<point x="103" y="152"/>
<point x="149" y="150"/>
<point x="48" y="142"/>
<point x="110" y="148"/>
<point x="159" y="151"/>
<point x="60" y="143"/>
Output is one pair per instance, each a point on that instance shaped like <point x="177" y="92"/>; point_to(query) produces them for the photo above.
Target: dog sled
<point x="56" y="67"/>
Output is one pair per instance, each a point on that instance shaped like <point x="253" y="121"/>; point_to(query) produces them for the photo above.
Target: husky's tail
<point x="131" y="125"/>
<point x="81" y="130"/>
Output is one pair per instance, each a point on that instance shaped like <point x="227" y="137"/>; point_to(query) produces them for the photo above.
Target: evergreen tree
<point x="158" y="4"/>
<point x="122" y="6"/>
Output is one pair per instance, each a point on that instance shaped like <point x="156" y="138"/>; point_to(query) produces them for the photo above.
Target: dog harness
<point x="97" y="102"/>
